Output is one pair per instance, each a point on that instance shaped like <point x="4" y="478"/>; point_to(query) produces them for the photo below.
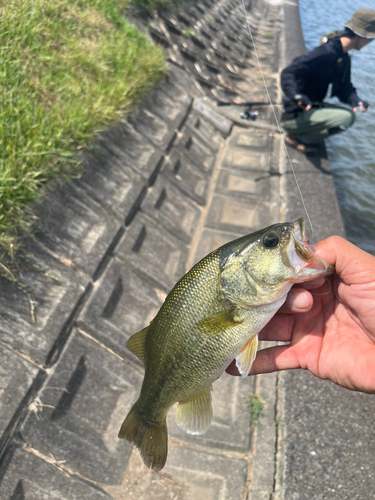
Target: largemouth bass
<point x="212" y="316"/>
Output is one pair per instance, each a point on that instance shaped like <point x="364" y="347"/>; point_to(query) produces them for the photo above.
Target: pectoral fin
<point x="220" y="322"/>
<point x="136" y="344"/>
<point x="246" y="356"/>
<point x="194" y="415"/>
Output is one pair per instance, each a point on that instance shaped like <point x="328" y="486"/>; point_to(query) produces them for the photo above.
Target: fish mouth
<point x="304" y="252"/>
<point x="300" y="241"/>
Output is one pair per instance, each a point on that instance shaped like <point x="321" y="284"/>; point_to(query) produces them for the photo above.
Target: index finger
<point x="352" y="264"/>
<point x="278" y="329"/>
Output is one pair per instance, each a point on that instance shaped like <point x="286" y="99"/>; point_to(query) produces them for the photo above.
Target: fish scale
<point x="212" y="316"/>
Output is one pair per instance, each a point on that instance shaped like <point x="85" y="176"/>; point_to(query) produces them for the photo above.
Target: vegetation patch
<point x="189" y="33"/>
<point x="68" y="69"/>
<point x="256" y="404"/>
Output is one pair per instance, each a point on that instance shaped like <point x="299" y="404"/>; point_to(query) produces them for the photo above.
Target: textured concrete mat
<point x="83" y="406"/>
<point x="24" y="476"/>
<point x="121" y="305"/>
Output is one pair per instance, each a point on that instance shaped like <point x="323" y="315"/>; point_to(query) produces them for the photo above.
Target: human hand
<point x="303" y="101"/>
<point x="334" y="337"/>
<point x="363" y="106"/>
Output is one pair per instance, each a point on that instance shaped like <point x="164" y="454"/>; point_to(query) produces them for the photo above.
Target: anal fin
<point x="246" y="356"/>
<point x="194" y="415"/>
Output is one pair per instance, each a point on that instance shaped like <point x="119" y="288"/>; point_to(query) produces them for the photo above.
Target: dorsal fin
<point x="136" y="344"/>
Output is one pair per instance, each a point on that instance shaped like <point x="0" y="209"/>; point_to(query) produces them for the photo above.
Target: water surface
<point x="351" y="154"/>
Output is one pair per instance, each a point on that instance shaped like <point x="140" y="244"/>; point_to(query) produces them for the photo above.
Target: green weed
<point x="256" y="404"/>
<point x="189" y="33"/>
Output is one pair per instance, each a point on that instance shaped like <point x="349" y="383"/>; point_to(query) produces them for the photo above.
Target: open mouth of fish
<point x="302" y="256"/>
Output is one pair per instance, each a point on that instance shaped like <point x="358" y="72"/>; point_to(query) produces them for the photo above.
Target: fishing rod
<point x="245" y="103"/>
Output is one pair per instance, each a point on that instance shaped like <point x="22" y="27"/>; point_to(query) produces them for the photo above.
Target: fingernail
<point x="301" y="301"/>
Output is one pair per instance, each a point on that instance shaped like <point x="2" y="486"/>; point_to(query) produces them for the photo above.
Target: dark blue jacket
<point x="312" y="73"/>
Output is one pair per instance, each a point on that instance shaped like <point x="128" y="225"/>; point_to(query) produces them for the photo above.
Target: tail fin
<point x="152" y="441"/>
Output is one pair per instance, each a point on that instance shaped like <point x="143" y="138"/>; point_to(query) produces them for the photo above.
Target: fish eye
<point x="271" y="240"/>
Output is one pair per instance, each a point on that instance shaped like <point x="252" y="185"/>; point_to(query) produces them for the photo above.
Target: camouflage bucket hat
<point x="363" y="23"/>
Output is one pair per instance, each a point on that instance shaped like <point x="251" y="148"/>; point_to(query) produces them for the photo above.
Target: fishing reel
<point x="248" y="113"/>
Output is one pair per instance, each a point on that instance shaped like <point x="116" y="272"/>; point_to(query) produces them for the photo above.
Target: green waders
<point x="319" y="122"/>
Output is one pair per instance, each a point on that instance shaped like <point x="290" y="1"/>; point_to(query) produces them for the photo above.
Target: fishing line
<point x="276" y="120"/>
<point x="325" y="293"/>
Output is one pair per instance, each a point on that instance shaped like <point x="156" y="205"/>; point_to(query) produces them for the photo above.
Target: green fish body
<point x="212" y="316"/>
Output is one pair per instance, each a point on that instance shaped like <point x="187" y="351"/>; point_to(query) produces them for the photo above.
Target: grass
<point x="256" y="404"/>
<point x="67" y="70"/>
<point x="189" y="33"/>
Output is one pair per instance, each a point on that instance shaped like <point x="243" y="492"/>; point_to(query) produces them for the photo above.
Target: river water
<point x="351" y="154"/>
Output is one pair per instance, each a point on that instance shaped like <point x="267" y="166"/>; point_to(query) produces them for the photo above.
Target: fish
<point x="212" y="316"/>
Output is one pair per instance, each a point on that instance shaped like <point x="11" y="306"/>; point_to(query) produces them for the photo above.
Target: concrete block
<point x="154" y="128"/>
<point x="171" y="107"/>
<point x="178" y="94"/>
<point x="56" y="291"/>
<point x="230" y="428"/>
<point x="176" y="213"/>
<point x="75" y="227"/>
<point x="182" y="80"/>
<point x="86" y="399"/>
<point x="132" y="149"/>
<point x="240" y="84"/>
<point x="24" y="476"/>
<point x="250" y="140"/>
<point x="246" y="160"/>
<point x="228" y="214"/>
<point x="188" y="475"/>
<point x="205" y="130"/>
<point x="210" y="241"/>
<point x="121" y="305"/>
<point x="156" y="34"/>
<point x="16" y="378"/>
<point x="185" y="174"/>
<point x="203" y="107"/>
<point x="264" y="461"/>
<point x="243" y="184"/>
<point x="259" y="495"/>
<point x="112" y="184"/>
<point x="155" y="254"/>
<point x="196" y="150"/>
<point x="207" y="476"/>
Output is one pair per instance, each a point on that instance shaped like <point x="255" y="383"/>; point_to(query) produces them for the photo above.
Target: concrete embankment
<point x="181" y="177"/>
